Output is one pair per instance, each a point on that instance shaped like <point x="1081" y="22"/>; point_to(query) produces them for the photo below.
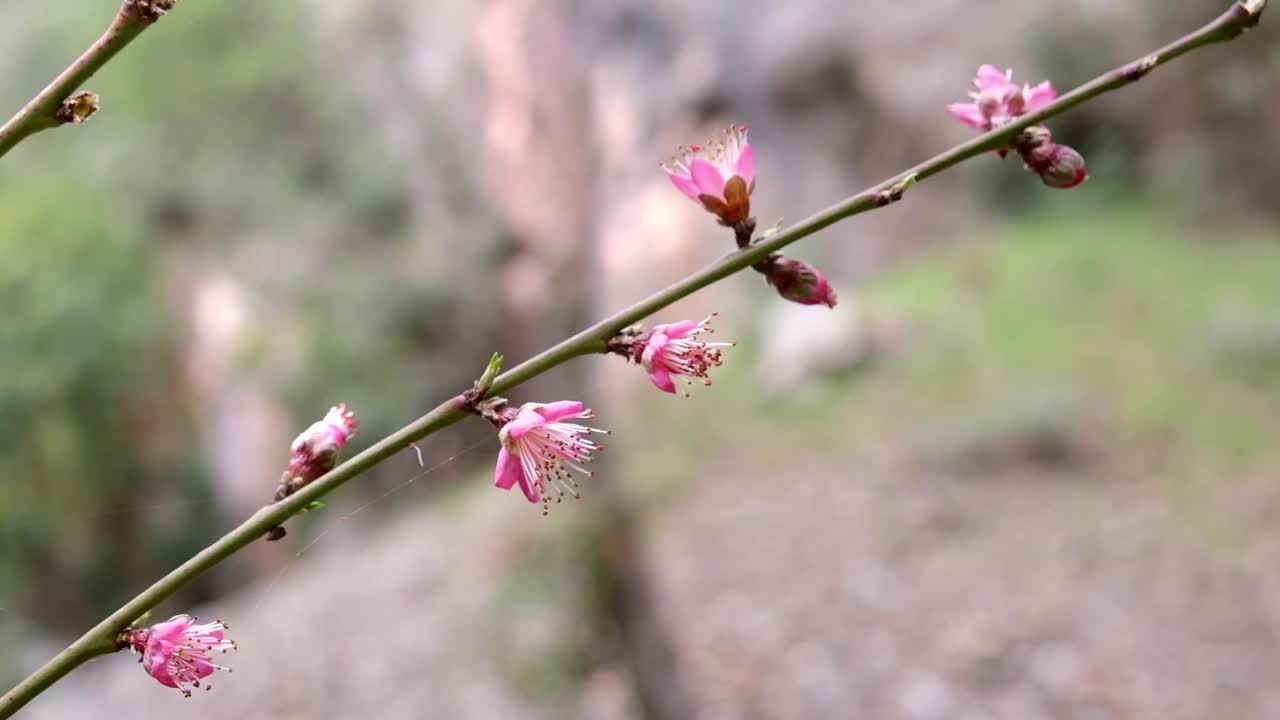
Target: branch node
<point x="472" y="399"/>
<point x="625" y="342"/>
<point x="895" y="192"/>
<point x="77" y="108"/>
<point x="148" y="11"/>
<point x="1138" y="69"/>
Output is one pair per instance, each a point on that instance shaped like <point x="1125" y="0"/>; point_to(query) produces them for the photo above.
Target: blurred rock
<point x="800" y="343"/>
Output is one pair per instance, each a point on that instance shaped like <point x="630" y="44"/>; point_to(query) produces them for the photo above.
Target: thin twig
<point x="1242" y="16"/>
<point x="50" y="108"/>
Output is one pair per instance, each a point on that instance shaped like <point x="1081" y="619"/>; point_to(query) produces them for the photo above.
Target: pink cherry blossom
<point x="999" y="100"/>
<point x="542" y="448"/>
<point x="177" y="652"/>
<point x="720" y="176"/>
<point x="673" y="350"/>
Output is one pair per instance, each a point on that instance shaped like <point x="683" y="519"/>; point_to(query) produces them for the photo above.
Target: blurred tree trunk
<point x="541" y="133"/>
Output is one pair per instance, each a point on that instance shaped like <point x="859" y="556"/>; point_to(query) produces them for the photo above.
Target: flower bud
<point x="1059" y="166"/>
<point x="315" y="452"/>
<point x="799" y="282"/>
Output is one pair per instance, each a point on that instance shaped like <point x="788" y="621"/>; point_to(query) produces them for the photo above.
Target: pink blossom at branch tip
<point x="719" y="176"/>
<point x="542" y="448"/>
<point x="800" y="282"/>
<point x="673" y="351"/>
<point x="177" y="652"/>
<point x="999" y="100"/>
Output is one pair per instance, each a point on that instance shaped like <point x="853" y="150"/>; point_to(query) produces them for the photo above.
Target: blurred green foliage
<point x="103" y="484"/>
<point x="230" y="145"/>
<point x="91" y="429"/>
<point x="1109" y="348"/>
<point x="1201" y="139"/>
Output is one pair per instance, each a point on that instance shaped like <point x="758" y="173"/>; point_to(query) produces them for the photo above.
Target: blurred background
<point x="1027" y="469"/>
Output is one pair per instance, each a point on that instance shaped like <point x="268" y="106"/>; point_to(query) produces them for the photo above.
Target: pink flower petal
<point x="170" y="630"/>
<point x="1038" y="96"/>
<point x="746" y="165"/>
<point x="676" y="330"/>
<point x="162" y="675"/>
<point x="991" y="77"/>
<point x="707" y="177"/>
<point x="969" y="114"/>
<point x="684" y="184"/>
<point x="530" y="489"/>
<point x="661" y="378"/>
<point x="525" y="421"/>
<point x="556" y="410"/>
<point x="508" y="471"/>
<point x="653" y="348"/>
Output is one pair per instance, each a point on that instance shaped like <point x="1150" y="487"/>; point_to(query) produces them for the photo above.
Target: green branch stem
<point x="47" y="110"/>
<point x="101" y="639"/>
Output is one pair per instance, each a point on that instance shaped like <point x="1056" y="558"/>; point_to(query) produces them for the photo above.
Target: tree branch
<point x="55" y="105"/>
<point x="1242" y="16"/>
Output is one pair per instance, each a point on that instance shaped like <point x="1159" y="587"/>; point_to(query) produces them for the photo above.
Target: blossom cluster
<point x="999" y="101"/>
<point x="544" y="447"/>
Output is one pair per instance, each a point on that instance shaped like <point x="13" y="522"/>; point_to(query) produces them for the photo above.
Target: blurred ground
<point x="1051" y="493"/>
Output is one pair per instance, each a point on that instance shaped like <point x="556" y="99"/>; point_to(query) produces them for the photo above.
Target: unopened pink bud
<point x="1058" y="166"/>
<point x="178" y="652"/>
<point x="315" y="452"/>
<point x="799" y="282"/>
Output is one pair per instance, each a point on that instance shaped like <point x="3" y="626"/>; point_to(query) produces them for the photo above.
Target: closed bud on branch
<point x="798" y="281"/>
<point x="1058" y="166"/>
<point x="315" y="452"/>
<point x="77" y="108"/>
